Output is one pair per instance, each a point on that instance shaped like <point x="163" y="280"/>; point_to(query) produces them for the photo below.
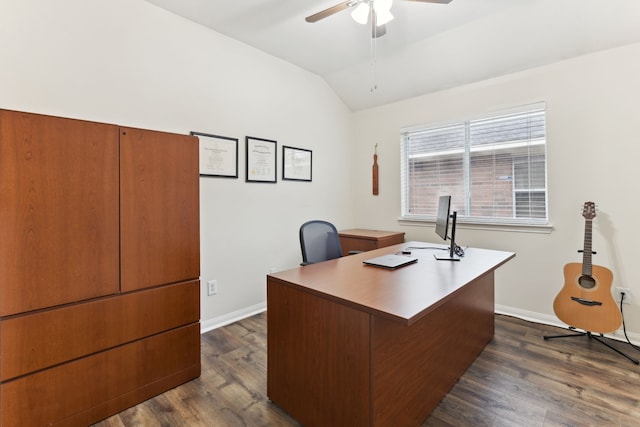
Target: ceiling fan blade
<point x="433" y="1"/>
<point x="328" y="12"/>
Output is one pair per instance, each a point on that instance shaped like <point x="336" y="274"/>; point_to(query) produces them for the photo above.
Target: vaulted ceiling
<point x="428" y="47"/>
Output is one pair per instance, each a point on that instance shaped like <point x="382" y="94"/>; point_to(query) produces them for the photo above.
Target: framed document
<point x="218" y="155"/>
<point x="296" y="164"/>
<point x="261" y="159"/>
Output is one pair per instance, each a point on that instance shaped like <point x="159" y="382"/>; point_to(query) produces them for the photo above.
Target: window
<point x="493" y="167"/>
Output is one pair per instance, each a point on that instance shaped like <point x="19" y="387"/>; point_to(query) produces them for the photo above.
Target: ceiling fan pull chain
<point x="374" y="83"/>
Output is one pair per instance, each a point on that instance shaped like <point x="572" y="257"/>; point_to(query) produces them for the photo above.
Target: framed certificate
<point x="296" y="164"/>
<point x="261" y="159"/>
<point x="218" y="155"/>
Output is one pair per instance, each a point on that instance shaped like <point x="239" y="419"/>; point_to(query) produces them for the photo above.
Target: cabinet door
<point x="159" y="208"/>
<point x="58" y="211"/>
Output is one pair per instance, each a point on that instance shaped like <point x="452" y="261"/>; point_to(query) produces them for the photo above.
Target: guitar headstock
<point x="589" y="210"/>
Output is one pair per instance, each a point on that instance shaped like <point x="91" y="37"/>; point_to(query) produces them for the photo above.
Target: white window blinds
<point x="493" y="167"/>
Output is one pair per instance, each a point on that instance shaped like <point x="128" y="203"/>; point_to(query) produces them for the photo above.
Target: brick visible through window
<point x="493" y="167"/>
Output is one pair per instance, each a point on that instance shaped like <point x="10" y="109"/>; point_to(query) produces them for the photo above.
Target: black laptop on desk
<point x="391" y="261"/>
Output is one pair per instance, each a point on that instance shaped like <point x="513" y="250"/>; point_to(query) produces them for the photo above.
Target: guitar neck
<point x="587" y="252"/>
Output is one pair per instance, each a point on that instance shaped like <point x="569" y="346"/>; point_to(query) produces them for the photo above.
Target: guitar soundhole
<point x="587" y="282"/>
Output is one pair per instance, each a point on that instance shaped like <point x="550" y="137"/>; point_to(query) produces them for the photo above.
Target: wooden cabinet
<point x="99" y="268"/>
<point x="358" y="239"/>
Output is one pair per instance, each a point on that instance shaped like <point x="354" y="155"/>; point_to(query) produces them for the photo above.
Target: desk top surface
<point x="404" y="294"/>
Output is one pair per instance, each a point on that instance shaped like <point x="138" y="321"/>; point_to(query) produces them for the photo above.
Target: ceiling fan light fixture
<point x="383" y="17"/>
<point x="382" y="9"/>
<point x="361" y="13"/>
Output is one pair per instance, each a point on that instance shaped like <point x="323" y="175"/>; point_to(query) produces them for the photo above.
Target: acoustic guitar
<point x="585" y="301"/>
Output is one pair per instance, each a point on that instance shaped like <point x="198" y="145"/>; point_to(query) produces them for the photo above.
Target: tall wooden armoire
<point x="99" y="268"/>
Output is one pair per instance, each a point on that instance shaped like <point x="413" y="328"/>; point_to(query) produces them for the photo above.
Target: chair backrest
<point x="319" y="241"/>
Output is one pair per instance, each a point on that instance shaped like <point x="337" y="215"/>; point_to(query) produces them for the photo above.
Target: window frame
<point x="527" y="224"/>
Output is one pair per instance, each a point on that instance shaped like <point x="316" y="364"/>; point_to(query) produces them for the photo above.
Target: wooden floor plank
<point x="520" y="379"/>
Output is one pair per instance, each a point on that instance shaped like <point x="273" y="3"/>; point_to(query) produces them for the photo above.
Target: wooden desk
<point x="358" y="239"/>
<point x="354" y="345"/>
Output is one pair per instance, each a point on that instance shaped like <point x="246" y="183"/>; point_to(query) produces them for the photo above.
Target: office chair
<point x="319" y="241"/>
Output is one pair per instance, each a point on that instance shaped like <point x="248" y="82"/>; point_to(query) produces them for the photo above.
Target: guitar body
<point x="573" y="304"/>
<point x="585" y="301"/>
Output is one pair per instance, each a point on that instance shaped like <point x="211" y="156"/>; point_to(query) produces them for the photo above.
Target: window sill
<point x="469" y="225"/>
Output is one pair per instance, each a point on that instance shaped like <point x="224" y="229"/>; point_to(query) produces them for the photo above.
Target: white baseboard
<point x="531" y="316"/>
<point x="234" y="316"/>
<point x="546" y="319"/>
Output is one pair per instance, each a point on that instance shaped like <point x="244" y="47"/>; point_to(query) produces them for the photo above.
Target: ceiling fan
<point x="378" y="10"/>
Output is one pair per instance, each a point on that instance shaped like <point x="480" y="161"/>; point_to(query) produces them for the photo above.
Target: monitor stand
<point x="452" y="253"/>
<point x="447" y="258"/>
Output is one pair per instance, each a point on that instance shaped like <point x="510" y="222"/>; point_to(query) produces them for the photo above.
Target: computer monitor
<point x="442" y="227"/>
<point x="442" y="218"/>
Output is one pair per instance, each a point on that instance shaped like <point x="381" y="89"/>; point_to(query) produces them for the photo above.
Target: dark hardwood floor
<point x="518" y="380"/>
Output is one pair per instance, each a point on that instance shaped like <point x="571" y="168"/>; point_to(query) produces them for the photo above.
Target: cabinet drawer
<point x="368" y="240"/>
<point x="357" y="244"/>
<point x="36" y="341"/>
<point x="92" y="388"/>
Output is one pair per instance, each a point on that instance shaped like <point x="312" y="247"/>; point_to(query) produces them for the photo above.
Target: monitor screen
<point x="442" y="220"/>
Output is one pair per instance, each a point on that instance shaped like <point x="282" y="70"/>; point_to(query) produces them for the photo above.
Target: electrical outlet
<point x="273" y="270"/>
<point x="212" y="287"/>
<point x="627" y="295"/>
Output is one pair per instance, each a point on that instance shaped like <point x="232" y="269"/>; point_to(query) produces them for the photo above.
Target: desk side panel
<point x="418" y="364"/>
<point x="318" y="366"/>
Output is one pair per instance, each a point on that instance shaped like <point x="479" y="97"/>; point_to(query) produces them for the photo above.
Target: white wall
<point x="593" y="126"/>
<point x="130" y="63"/>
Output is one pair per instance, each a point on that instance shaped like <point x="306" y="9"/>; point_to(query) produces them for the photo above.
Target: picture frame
<point x="218" y="155"/>
<point x="261" y="160"/>
<point x="297" y="164"/>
